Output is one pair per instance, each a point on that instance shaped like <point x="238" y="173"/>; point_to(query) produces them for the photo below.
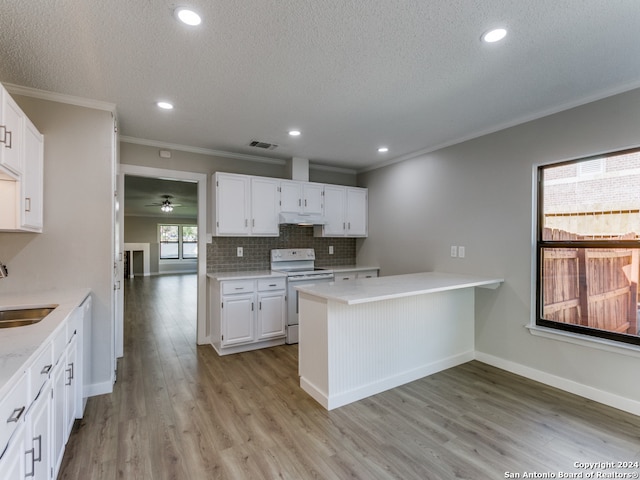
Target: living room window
<point x="588" y="246"/>
<point x="178" y="242"/>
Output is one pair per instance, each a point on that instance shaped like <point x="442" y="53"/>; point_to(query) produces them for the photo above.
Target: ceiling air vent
<point x="263" y="145"/>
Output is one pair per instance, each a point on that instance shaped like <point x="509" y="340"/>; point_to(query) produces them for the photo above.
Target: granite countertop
<point x="396" y="286"/>
<point x="219" y="276"/>
<point x="20" y="344"/>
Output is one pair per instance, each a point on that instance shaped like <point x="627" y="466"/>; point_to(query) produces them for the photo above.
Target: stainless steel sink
<point x="19" y="317"/>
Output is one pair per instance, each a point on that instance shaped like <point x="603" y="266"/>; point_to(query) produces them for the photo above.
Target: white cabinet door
<point x="290" y="196"/>
<point x="11" y="133"/>
<point x="312" y="198"/>
<point x="237" y="319"/>
<point x="58" y="421"/>
<point x="232" y="197"/>
<point x="32" y="184"/>
<point x="301" y="197"/>
<point x="271" y="314"/>
<point x="38" y="437"/>
<point x="13" y="462"/>
<point x="265" y="200"/>
<point x="71" y="385"/>
<point x="356" y="212"/>
<point x="335" y="198"/>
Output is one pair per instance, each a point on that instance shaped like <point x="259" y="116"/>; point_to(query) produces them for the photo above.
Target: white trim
<point x="94" y="389"/>
<point x="586" y="340"/>
<point x="60" y="98"/>
<point x="202" y="151"/>
<point x="202" y="180"/>
<point x="503" y="126"/>
<point x="600" y="396"/>
<point x="235" y="156"/>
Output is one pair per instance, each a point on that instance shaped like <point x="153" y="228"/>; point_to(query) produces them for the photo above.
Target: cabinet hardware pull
<point x="27" y="204"/>
<point x="15" y="415"/>
<point x="260" y="305"/>
<point x="305" y="202"/>
<point x="246" y="222"/>
<point x="39" y="457"/>
<point x="252" y="306"/>
<point x="273" y="284"/>
<point x="253" y="222"/>
<point x="299" y="202"/>
<point x="46" y="369"/>
<point x="70" y="370"/>
<point x="33" y="463"/>
<point x="8" y="145"/>
<point x="239" y="288"/>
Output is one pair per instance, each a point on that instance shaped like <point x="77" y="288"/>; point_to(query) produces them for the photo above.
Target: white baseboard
<point x="600" y="396"/>
<point x="336" y="400"/>
<point x="97" y="389"/>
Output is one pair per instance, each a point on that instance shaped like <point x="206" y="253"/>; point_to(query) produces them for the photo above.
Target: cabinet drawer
<point x="39" y="371"/>
<point x="265" y="284"/>
<point x="237" y="286"/>
<point x="367" y="274"/>
<point x="12" y="410"/>
<point x="344" y="276"/>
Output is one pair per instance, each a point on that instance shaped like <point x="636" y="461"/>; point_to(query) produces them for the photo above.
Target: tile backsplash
<point x="221" y="253"/>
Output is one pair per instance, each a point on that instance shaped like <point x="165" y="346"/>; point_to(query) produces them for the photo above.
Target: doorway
<point x="200" y="180"/>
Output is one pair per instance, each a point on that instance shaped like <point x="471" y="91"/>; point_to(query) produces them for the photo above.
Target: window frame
<point x="180" y="257"/>
<point x="539" y="244"/>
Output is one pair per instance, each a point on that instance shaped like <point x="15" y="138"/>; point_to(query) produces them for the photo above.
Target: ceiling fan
<point x="166" y="205"/>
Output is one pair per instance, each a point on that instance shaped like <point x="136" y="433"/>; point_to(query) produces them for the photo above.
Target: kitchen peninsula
<point x="363" y="337"/>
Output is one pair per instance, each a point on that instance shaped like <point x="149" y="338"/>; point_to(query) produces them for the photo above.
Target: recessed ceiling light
<point x="188" y="17"/>
<point x="383" y="149"/>
<point x="165" y="105"/>
<point x="294" y="133"/>
<point x="494" y="35"/>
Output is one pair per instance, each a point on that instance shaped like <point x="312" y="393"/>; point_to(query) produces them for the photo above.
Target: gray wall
<point x="75" y="249"/>
<point x="479" y="194"/>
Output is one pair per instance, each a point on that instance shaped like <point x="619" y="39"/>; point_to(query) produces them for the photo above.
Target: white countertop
<point x="219" y="276"/>
<point x="366" y="290"/>
<point x="18" y="345"/>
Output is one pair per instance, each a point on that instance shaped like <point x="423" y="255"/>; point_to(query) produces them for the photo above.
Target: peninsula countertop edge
<point x="390" y="287"/>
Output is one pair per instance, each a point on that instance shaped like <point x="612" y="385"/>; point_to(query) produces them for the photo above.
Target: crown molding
<point x="60" y="98"/>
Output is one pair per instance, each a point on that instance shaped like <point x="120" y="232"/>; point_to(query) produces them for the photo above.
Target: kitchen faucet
<point x="3" y="270"/>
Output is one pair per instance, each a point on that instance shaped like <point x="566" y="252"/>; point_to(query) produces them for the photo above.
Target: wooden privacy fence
<point x="597" y="288"/>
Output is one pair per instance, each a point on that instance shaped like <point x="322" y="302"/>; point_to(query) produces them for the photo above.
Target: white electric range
<point x="299" y="266"/>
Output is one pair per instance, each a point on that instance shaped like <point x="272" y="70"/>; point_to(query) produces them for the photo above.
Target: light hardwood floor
<point x="179" y="411"/>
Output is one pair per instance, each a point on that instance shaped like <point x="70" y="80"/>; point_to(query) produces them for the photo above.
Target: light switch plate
<point x="461" y="251"/>
<point x="240" y="251"/>
<point x="454" y="251"/>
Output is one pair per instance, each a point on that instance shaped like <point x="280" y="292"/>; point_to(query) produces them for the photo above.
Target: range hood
<point x="301" y="219"/>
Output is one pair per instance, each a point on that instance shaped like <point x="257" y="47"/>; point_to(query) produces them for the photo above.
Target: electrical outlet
<point x="240" y="251"/>
<point x="454" y="251"/>
<point x="330" y="249"/>
<point x="461" y="252"/>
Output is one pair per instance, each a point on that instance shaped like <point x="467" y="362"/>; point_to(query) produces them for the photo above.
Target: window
<point x="178" y="242"/>
<point x="588" y="246"/>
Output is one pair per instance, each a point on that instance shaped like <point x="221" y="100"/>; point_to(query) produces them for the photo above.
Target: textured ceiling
<point x="141" y="193"/>
<point x="351" y="74"/>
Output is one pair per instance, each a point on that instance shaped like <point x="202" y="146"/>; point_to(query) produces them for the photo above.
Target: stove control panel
<point x="288" y="254"/>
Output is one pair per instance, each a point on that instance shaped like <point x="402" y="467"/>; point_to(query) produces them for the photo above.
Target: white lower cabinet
<point x="247" y="314"/>
<point x="38" y="438"/>
<point x="38" y="412"/>
<point x="12" y="463"/>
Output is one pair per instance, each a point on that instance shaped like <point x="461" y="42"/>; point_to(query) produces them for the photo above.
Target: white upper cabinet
<point x="345" y="211"/>
<point x="32" y="181"/>
<point x="245" y="205"/>
<point x="11" y="133"/>
<point x="265" y="206"/>
<point x="21" y="169"/>
<point x="301" y="197"/>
